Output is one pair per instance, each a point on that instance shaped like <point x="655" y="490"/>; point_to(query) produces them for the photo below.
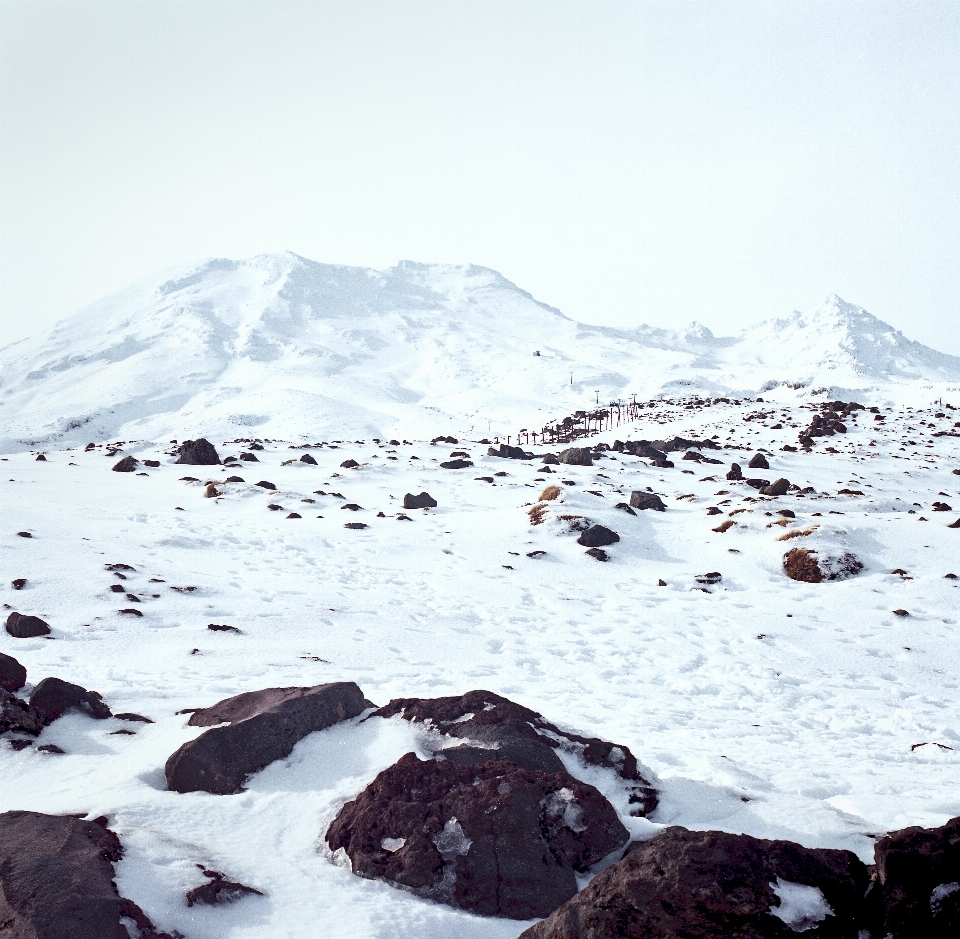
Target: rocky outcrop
<point x="577" y="456"/>
<point x="198" y="453"/>
<point x="492" y="838"/>
<point x="705" y="885"/>
<point x="17" y="716"/>
<point x="262" y="726"/>
<point x="56" y="880"/>
<point x="496" y="728"/>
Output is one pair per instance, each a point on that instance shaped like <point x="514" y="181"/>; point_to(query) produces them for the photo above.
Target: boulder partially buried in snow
<point x="53" y="697"/>
<point x="198" y="453"/>
<point x="422" y="501"/>
<point x="596" y="536"/>
<point x="496" y="728"/>
<point x="56" y="880"/>
<point x="13" y="676"/>
<point x="261" y="726"/>
<point x="779" y="487"/>
<point x="21" y="626"/>
<point x="127" y="465"/>
<point x="493" y="838"/>
<point x="17" y="716"/>
<point x="577" y="456"/>
<point x="708" y="884"/>
<point x="647" y="500"/>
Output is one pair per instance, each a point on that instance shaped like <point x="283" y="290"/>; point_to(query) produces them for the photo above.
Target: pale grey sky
<point x="626" y="162"/>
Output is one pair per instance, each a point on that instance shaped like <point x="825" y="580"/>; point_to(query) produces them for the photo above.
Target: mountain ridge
<point x="294" y="347"/>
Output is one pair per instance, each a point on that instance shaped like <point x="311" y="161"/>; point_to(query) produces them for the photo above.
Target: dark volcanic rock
<point x="263" y="726"/>
<point x="18" y="583"/>
<point x="507" y="452"/>
<point x="709" y="884"/>
<point x="219" y="890"/>
<point x="779" y="487"/>
<point x="127" y="465"/>
<point x="266" y="484"/>
<point x="598" y="553"/>
<point x="735" y="474"/>
<point x="306" y="458"/>
<point x="577" y="456"/>
<point x="647" y="500"/>
<point x="153" y="464"/>
<point x="349" y="464"/>
<point x="17" y="715"/>
<point x="493" y="838"/>
<point x="198" y="453"/>
<point x="758" y="461"/>
<point x="422" y="501"/>
<point x="918" y="883"/>
<point x="519" y="735"/>
<point x="26" y="627"/>
<point x="13" y="675"/>
<point x="249" y="458"/>
<point x="56" y="880"/>
<point x="456" y="464"/>
<point x="758" y="483"/>
<point x="53" y="697"/>
<point x="596" y="536"/>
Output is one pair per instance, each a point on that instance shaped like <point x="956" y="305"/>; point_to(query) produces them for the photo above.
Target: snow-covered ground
<point x="763" y="705"/>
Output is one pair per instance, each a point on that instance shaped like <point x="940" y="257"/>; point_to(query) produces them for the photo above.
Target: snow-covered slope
<point x="280" y="346"/>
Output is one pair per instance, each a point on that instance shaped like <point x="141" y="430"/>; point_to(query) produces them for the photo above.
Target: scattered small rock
<point x="356" y="526"/>
<point x="735" y="474"/>
<point x="129" y="611"/>
<point x="50" y="748"/>
<point x="129" y="716"/>
<point x="456" y="464"/>
<point x="422" y="501"/>
<point x="306" y="458"/>
<point x="153" y="464"/>
<point x="219" y="890"/>
<point x="19" y="583"/>
<point x="24" y="534"/>
<point x="900" y="613"/>
<point x="294" y="515"/>
<point x="647" y="500"/>
<point x="265" y="484"/>
<point x="758" y="461"/>
<point x="127" y="465"/>
<point x="235" y="479"/>
<point x="13" y="675"/>
<point x="597" y="553"/>
<point x="349" y="464"/>
<point x="597" y="536"/>
<point x="222" y="628"/>
<point x="779" y="487"/>
<point x="714" y="577"/>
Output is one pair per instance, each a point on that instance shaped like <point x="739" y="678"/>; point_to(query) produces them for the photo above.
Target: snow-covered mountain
<point x="281" y="346"/>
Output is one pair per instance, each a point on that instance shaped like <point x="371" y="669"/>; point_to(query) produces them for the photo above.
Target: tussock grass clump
<point x="537" y="513"/>
<point x="798" y="533"/>
<point x="725" y="526"/>
<point x="550" y="493"/>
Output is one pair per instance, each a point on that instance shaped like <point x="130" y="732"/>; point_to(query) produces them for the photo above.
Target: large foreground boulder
<point x="709" y="884"/>
<point x="597" y="536"/>
<point x="262" y="726"/>
<point x="53" y="697"/>
<point x="56" y="880"/>
<point x="496" y="728"/>
<point x="21" y="626"/>
<point x="198" y="453"/>
<point x="13" y="676"/>
<point x="494" y="838"/>
<point x="918" y="883"/>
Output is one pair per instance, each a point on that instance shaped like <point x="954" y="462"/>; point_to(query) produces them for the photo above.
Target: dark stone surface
<point x="596" y="536"/>
<point x="779" y="487"/>
<point x="758" y="461"/>
<point x="56" y="880"/>
<point x="647" y="500"/>
<point x="153" y="464"/>
<point x="915" y="870"/>
<point x="306" y="458"/>
<point x="507" y="452"/>
<point x="53" y="697"/>
<point x="349" y="464"/>
<point x="266" y="484"/>
<point x="16" y="715"/>
<point x="598" y="554"/>
<point x="219" y="890"/>
<point x="710" y="885"/>
<point x="18" y="583"/>
<point x="577" y="456"/>
<point x="735" y="473"/>
<point x="127" y="465"/>
<point x="758" y="483"/>
<point x="198" y="453"/>
<point x="26" y="627"/>
<point x="422" y="501"/>
<point x="13" y="675"/>
<point x="456" y="464"/>
<point x="249" y="458"/>
<point x="263" y="726"/>
<point x="491" y="838"/>
<point x="519" y="735"/>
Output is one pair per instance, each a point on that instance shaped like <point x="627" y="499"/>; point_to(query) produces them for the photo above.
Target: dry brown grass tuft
<point x="798" y="533"/>
<point x="550" y="493"/>
<point x="725" y="526"/>
<point x="537" y="513"/>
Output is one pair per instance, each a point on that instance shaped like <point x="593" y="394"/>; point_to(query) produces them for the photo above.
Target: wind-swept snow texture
<point x="280" y="346"/>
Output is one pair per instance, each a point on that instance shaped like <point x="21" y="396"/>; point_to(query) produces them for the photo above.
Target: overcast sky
<point x="626" y="162"/>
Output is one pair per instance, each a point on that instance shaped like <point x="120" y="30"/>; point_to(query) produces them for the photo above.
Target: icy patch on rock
<point x="940" y="894"/>
<point x="801" y="907"/>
